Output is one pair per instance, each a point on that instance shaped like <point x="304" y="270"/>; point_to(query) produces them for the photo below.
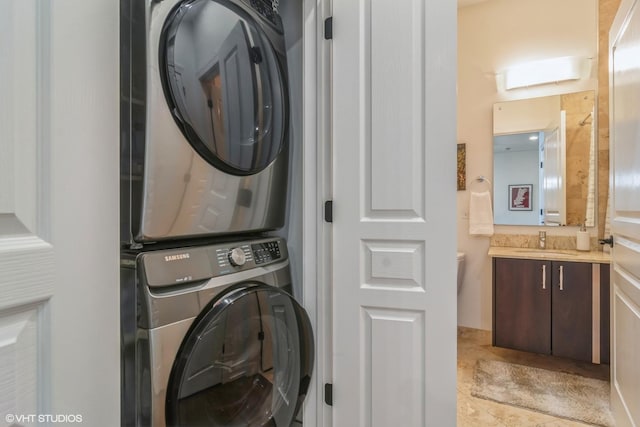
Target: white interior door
<point x="394" y="255"/>
<point x="26" y="259"/>
<point x="554" y="175"/>
<point x="624" y="60"/>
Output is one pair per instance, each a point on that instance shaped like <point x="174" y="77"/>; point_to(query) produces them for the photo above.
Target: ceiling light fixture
<point x="552" y="70"/>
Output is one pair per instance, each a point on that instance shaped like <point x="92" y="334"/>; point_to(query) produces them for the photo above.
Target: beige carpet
<point x="555" y="393"/>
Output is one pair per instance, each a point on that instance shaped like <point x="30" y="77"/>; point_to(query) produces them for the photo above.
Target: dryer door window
<point x="225" y="84"/>
<point x="246" y="361"/>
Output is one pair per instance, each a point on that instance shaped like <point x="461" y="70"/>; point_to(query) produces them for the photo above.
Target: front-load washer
<point x="212" y="337"/>
<point x="204" y="119"/>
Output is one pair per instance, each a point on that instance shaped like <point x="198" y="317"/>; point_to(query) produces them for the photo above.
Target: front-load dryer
<point x="204" y="118"/>
<point x="212" y="337"/>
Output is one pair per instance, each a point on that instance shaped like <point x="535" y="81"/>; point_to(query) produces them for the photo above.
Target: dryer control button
<point x="237" y="257"/>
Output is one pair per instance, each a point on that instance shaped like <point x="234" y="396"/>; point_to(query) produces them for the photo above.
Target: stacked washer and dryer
<point x="211" y="334"/>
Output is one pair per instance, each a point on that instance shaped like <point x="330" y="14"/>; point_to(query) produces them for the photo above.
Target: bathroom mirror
<point x="544" y="161"/>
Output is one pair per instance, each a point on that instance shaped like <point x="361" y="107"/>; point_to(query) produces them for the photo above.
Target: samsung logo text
<point x="169" y="258"/>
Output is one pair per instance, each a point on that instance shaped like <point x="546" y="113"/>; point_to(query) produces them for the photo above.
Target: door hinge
<point x="328" y="394"/>
<point x="328" y="28"/>
<point x="328" y="211"/>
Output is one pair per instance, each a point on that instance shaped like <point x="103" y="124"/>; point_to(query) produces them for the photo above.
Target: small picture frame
<point x="520" y="197"/>
<point x="462" y="166"/>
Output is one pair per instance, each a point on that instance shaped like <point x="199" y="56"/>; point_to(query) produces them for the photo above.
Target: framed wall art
<point x="520" y="197"/>
<point x="462" y="167"/>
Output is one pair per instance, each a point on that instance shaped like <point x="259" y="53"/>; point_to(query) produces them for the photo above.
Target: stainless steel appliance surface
<point x="204" y="119"/>
<point x="211" y="336"/>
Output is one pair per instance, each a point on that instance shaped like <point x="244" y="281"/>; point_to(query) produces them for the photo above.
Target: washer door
<point x="246" y="361"/>
<point x="225" y="84"/>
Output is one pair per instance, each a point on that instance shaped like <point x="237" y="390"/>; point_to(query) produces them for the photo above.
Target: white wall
<point x="491" y="36"/>
<point x="84" y="138"/>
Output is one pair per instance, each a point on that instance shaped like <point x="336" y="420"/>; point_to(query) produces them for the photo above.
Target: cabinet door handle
<point x="561" y="277"/>
<point x="544" y="276"/>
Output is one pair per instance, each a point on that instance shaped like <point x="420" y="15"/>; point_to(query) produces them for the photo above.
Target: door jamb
<point x="317" y="188"/>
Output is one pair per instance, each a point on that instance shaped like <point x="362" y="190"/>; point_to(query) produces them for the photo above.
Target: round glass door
<point x="225" y="84"/>
<point x="245" y="362"/>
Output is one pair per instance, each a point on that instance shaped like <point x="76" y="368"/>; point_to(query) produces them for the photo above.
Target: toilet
<point x="460" y="269"/>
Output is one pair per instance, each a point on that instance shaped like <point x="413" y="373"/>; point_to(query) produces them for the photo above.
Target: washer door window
<point x="246" y="362"/>
<point x="224" y="84"/>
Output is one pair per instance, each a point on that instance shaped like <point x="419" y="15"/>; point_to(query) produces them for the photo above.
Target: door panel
<point x="18" y="333"/>
<point x="522" y="305"/>
<point x="625" y="217"/>
<point x="26" y="259"/>
<point x="571" y="313"/>
<point x="626" y="317"/>
<point x="394" y="329"/>
<point x="394" y="264"/>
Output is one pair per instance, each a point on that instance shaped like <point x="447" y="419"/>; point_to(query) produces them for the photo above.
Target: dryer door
<point x="222" y="69"/>
<point x="246" y="361"/>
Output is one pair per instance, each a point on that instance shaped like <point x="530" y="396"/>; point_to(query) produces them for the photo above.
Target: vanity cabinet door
<point x="571" y="310"/>
<point x="522" y="304"/>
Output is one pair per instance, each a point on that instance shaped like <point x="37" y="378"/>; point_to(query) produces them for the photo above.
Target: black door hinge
<point x="328" y="211"/>
<point x="328" y="28"/>
<point x="328" y="394"/>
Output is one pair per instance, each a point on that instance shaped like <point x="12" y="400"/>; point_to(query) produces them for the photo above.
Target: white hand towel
<point x="480" y="214"/>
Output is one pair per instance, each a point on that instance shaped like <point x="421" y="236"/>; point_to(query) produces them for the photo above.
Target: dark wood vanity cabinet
<point x="546" y="307"/>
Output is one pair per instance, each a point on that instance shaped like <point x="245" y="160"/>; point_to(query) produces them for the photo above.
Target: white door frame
<point x="316" y="190"/>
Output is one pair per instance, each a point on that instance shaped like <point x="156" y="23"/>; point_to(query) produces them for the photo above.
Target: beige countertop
<point x="550" y="254"/>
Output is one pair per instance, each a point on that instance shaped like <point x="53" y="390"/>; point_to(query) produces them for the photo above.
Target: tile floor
<point x="474" y="344"/>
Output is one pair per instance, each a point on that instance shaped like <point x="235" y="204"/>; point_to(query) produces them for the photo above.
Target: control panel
<point x="169" y="267"/>
<point x="233" y="256"/>
<point x="266" y="252"/>
<point x="243" y="256"/>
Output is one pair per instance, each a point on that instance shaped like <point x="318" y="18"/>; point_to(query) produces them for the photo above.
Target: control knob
<point x="237" y="258"/>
